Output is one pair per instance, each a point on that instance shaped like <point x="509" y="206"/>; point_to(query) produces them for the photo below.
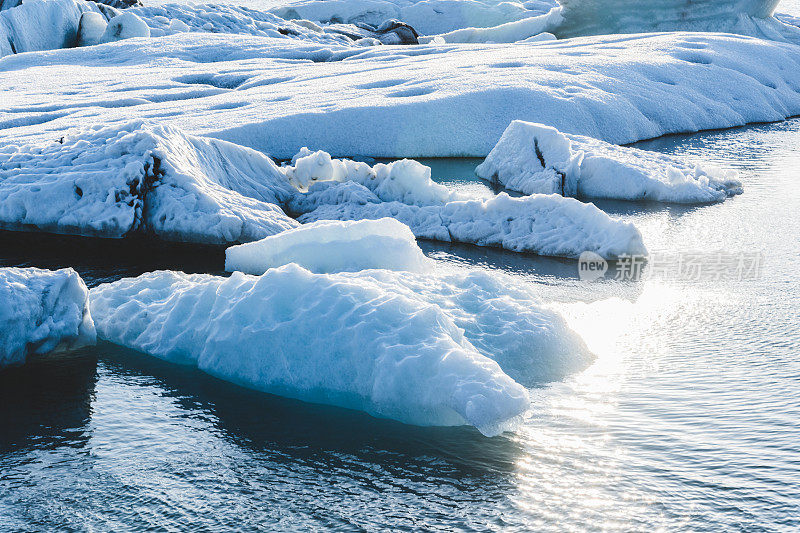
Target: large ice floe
<point x="277" y="95"/>
<point x="42" y="311"/>
<point x="317" y="337"/>
<point x="444" y="348"/>
<point x="114" y="181"/>
<point x="541" y="224"/>
<point x="332" y="246"/>
<point x="532" y="158"/>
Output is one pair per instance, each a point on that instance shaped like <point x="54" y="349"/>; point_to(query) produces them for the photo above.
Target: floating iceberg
<point x="403" y="190"/>
<point x="42" y="311"/>
<point x="325" y="247"/>
<point x="113" y="181"/>
<point x="532" y="158"/>
<point x="326" y="338"/>
<point x="539" y="224"/>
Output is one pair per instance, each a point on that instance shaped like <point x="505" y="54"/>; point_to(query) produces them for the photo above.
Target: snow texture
<point x="112" y="181"/>
<point x="325" y="338"/>
<point x="277" y="95"/>
<point x="532" y="158"/>
<point x="43" y="311"/>
<point x="325" y="247"/>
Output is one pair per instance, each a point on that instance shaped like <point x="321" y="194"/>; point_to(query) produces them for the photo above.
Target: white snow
<point x="330" y="246"/>
<point x="42" y="311"/>
<point x="112" y="181"/>
<point x="326" y="338"/>
<point x="125" y="26"/>
<point x="91" y="28"/>
<point x="277" y="95"/>
<point x="532" y="158"/>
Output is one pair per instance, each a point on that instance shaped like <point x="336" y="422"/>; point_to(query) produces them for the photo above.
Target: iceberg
<point x="113" y="181"/>
<point x="331" y="246"/>
<point x="403" y="190"/>
<point x="324" y="338"/>
<point x="533" y="158"/>
<point x="43" y="311"/>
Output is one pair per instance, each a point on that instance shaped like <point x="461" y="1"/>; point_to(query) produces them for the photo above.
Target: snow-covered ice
<point x="42" y="311"/>
<point x="331" y="246"/>
<point x="326" y="338"/>
<point x="539" y="224"/>
<point x="112" y="181"/>
<point x="277" y="95"/>
<point x="532" y="158"/>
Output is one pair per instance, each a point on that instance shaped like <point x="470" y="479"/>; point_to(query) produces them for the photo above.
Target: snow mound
<point x="404" y="181"/>
<point x="325" y="338"/>
<point x="112" y="181"/>
<point x="325" y="247"/>
<point x="125" y="26"/>
<point x="43" y="311"/>
<point x="539" y="224"/>
<point x="532" y="158"/>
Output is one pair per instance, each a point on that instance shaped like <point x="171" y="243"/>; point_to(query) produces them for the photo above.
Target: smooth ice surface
<point x="42" y="311"/>
<point x="532" y="158"/>
<point x="325" y="338"/>
<point x="278" y="95"/>
<point x="403" y="190"/>
<point x="113" y="181"/>
<point x="332" y="246"/>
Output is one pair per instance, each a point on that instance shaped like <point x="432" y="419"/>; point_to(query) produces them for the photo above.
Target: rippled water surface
<point x="689" y="420"/>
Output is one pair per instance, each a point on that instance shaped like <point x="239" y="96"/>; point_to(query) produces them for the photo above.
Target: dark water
<point x="690" y="419"/>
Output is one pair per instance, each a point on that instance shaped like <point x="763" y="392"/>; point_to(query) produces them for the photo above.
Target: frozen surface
<point x="42" y="311"/>
<point x="116" y="180"/>
<point x="532" y="158"/>
<point x="278" y="95"/>
<point x="326" y="338"/>
<point x="330" y="246"/>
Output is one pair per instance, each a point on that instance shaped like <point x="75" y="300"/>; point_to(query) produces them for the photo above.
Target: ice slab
<point x="325" y="338"/>
<point x="331" y="246"/>
<point x="42" y="311"/>
<point x="403" y="190"/>
<point x="112" y="181"/>
<point x="533" y="158"/>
